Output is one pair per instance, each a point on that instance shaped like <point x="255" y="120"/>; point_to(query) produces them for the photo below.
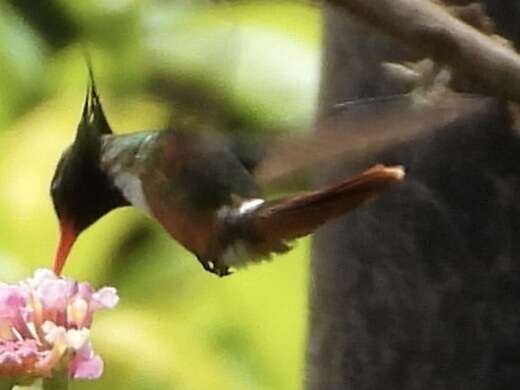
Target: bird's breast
<point x="132" y="188"/>
<point x="123" y="158"/>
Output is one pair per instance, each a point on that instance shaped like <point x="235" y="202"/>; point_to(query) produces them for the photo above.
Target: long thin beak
<point x="68" y="236"/>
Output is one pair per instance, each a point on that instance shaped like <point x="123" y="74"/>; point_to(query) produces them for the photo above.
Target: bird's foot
<point x="214" y="268"/>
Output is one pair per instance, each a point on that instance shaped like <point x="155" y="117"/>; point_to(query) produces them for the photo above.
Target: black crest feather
<point x="93" y="119"/>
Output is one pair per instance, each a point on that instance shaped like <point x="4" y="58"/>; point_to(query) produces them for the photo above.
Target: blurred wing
<point x="359" y="130"/>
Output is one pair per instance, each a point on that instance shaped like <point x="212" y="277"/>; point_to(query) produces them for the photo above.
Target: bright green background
<point x="176" y="326"/>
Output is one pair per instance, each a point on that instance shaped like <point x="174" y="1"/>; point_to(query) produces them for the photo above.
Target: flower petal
<point x="85" y="291"/>
<point x="53" y="334"/>
<point x="105" y="298"/>
<point x="44" y="323"/>
<point x="40" y="275"/>
<point x="86" y="368"/>
<point x="54" y="294"/>
<point x="77" y="312"/>
<point x="77" y="338"/>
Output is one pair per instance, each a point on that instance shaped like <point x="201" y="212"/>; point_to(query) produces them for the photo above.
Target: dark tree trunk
<point x="421" y="288"/>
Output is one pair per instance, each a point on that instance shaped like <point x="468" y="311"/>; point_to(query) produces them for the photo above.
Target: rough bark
<point x="420" y="289"/>
<point x="434" y="32"/>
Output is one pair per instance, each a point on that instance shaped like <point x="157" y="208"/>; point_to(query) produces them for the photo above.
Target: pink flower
<point x="45" y="322"/>
<point x="85" y="364"/>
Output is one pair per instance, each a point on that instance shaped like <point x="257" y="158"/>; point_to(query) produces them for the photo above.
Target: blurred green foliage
<point x="177" y="327"/>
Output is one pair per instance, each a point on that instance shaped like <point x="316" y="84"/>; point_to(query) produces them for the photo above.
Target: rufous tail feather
<point x="282" y="220"/>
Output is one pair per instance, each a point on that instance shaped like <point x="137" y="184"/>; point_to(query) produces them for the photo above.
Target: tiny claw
<point x="207" y="265"/>
<point x="213" y="268"/>
<point x="223" y="271"/>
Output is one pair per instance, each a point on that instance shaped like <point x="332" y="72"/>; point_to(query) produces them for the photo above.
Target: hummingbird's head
<point x="81" y="191"/>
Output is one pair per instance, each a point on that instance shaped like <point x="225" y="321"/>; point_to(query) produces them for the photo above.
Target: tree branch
<point x="436" y="33"/>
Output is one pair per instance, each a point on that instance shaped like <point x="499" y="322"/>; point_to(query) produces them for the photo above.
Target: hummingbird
<point x="194" y="185"/>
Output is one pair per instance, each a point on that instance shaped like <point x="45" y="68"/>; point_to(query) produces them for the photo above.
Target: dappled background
<point x="249" y="67"/>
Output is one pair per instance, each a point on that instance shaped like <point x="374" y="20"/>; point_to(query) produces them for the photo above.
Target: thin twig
<point x="433" y="31"/>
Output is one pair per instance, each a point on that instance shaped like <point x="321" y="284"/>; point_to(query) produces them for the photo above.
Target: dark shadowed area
<point x="420" y="290"/>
